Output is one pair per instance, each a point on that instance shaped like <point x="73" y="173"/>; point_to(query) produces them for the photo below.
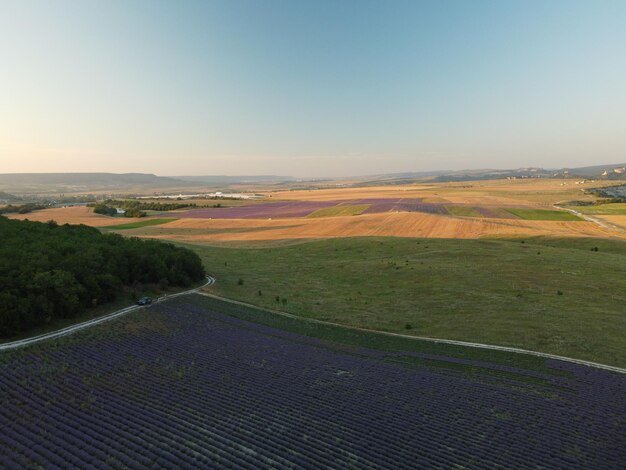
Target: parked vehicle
<point x="144" y="301"/>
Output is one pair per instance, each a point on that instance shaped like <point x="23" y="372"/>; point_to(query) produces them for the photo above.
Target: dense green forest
<point x="50" y="271"/>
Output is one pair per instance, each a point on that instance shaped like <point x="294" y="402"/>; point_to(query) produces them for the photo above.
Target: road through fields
<point x="81" y="326"/>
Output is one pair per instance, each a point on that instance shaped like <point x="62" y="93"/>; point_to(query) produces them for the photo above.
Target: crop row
<point x="208" y="390"/>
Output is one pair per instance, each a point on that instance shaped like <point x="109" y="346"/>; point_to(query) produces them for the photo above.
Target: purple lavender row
<point x="209" y="390"/>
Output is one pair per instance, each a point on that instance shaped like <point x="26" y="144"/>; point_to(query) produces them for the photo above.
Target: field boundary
<point x="86" y="324"/>
<point x="425" y="338"/>
<point x="588" y="218"/>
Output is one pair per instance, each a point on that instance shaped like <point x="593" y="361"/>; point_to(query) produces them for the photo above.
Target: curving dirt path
<point x="425" y="338"/>
<point x="81" y="326"/>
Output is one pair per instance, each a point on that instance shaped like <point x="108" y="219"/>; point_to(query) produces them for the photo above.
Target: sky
<point x="310" y="88"/>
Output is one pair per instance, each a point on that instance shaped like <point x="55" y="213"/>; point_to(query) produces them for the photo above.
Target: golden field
<point x="526" y="193"/>
<point x="394" y="224"/>
<point x="73" y="215"/>
<point x="532" y="192"/>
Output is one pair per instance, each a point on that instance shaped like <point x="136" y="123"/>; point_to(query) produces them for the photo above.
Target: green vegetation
<point x="342" y="337"/>
<point x="603" y="209"/>
<point x="103" y="209"/>
<point x="134" y="208"/>
<point x="338" y="211"/>
<point x="49" y="272"/>
<point x="502" y="292"/>
<point x="542" y="214"/>
<point x="133" y="204"/>
<point x="21" y="209"/>
<point x="463" y="211"/>
<point x="139" y="224"/>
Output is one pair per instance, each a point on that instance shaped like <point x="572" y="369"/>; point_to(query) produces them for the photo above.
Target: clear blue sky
<point x="310" y="88"/>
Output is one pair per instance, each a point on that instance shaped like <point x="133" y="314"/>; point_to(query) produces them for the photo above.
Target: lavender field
<point x="289" y="209"/>
<point x="180" y="385"/>
<point x="294" y="209"/>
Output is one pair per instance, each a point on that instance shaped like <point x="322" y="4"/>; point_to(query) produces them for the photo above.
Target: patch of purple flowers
<point x="201" y="389"/>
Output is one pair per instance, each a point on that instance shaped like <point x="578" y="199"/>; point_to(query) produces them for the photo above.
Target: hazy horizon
<point x="310" y="89"/>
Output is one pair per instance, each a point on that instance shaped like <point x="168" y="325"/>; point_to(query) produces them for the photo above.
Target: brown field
<point x="617" y="220"/>
<point x="492" y="194"/>
<point x="74" y="215"/>
<point x="535" y="192"/>
<point x="401" y="224"/>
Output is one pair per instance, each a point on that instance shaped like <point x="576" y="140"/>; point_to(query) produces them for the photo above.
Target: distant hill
<point x="42" y="183"/>
<point x="616" y="171"/>
<point x="455" y="175"/>
<point x="6" y="197"/>
<point x="226" y="180"/>
<point x="597" y="172"/>
<point x="75" y="182"/>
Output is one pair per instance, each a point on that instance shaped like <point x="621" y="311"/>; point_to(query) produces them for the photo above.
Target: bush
<point x="103" y="209"/>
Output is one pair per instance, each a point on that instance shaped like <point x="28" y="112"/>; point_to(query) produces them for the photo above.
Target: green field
<point x="551" y="295"/>
<point x="463" y="211"/>
<point x="344" y="337"/>
<point x="542" y="214"/>
<point x="338" y="211"/>
<point x="139" y="224"/>
<point x="602" y="209"/>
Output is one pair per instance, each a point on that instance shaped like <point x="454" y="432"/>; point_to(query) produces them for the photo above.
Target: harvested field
<point x="617" y="220"/>
<point x="74" y="215"/>
<point x="494" y="192"/>
<point x="403" y="224"/>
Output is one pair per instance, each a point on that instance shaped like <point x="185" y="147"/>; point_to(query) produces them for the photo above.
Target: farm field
<point x="74" y="215"/>
<point x="194" y="378"/>
<point x="544" y="192"/>
<point x="391" y="224"/>
<point x="445" y="210"/>
<point x="337" y="211"/>
<point x="618" y="220"/>
<point x="544" y="294"/>
<point x="542" y="214"/>
<point x="139" y="224"/>
<point x="465" y="211"/>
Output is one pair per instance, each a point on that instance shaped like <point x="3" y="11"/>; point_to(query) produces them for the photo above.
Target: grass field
<point x="551" y="295"/>
<point x="338" y="211"/>
<point x="602" y="209"/>
<point x="140" y="224"/>
<point x="463" y="211"/>
<point x="542" y="214"/>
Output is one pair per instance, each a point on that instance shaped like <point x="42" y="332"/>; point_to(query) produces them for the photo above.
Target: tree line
<point x="50" y="271"/>
<point x="134" y="208"/>
<point x="21" y="209"/>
